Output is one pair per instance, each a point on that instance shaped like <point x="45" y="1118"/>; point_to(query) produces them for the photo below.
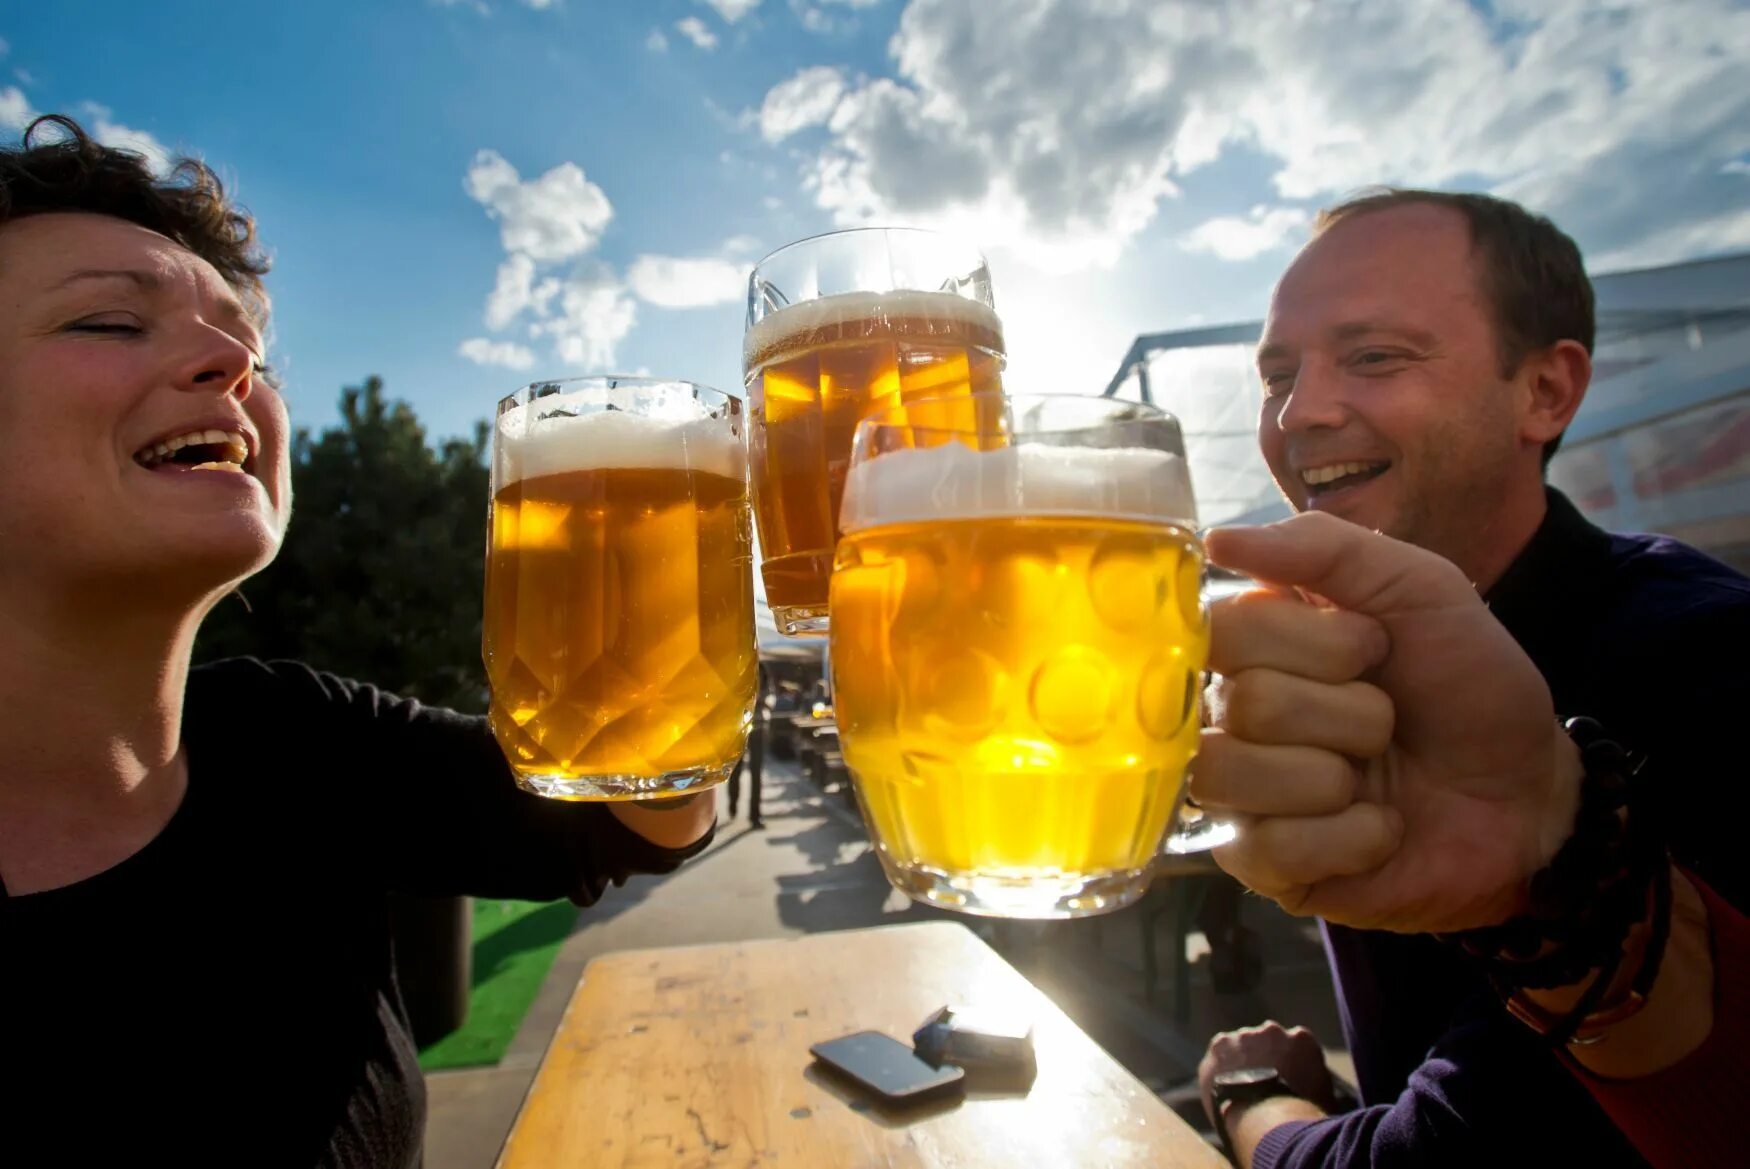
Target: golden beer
<point x="619" y="605"/>
<point x="1016" y="680"/>
<point x="813" y="371"/>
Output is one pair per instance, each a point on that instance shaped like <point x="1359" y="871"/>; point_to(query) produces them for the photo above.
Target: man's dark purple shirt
<point x="1646" y="635"/>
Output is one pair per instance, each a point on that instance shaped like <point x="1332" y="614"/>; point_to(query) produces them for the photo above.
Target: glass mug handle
<point x="1195" y="830"/>
<point x="1198" y="832"/>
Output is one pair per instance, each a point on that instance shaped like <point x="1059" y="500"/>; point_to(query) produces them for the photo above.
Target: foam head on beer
<point x="540" y="439"/>
<point x="852" y="317"/>
<point x="954" y="481"/>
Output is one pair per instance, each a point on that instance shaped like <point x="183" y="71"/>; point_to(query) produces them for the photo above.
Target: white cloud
<point x="771" y="202"/>
<point x="1059" y="127"/>
<point x="815" y="18"/>
<point x="509" y="354"/>
<point x="807" y="99"/>
<point x="544" y="224"/>
<point x="1233" y="237"/>
<point x="694" y="30"/>
<point x="656" y="42"/>
<point x="594" y="315"/>
<point x="555" y="217"/>
<point x="1738" y="166"/>
<point x="4" y="47"/>
<point x="539" y="5"/>
<point x="16" y="113"/>
<point x="517" y="292"/>
<point x="15" y="109"/>
<point x="1727" y="232"/>
<point x="731" y="10"/>
<point x="687" y="282"/>
<point x="112" y="133"/>
<point x="477" y="6"/>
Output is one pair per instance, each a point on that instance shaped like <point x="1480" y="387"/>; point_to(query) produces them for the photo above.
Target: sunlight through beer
<point x="1018" y="639"/>
<point x="619" y="636"/>
<point x="839" y="327"/>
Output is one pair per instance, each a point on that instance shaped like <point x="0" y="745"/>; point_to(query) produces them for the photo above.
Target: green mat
<point x="514" y="944"/>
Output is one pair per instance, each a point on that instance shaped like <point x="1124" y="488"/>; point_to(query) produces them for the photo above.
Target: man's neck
<point x="1505" y="535"/>
<point x="90" y="729"/>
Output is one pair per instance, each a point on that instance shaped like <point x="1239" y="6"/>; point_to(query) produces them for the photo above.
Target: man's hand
<point x="1391" y="755"/>
<point x="674" y="822"/>
<point x="1297" y="1058"/>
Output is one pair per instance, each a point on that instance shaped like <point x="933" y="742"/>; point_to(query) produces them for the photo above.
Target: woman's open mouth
<point x="196" y="450"/>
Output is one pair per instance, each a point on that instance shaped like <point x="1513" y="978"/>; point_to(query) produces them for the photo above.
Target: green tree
<point x="380" y="575"/>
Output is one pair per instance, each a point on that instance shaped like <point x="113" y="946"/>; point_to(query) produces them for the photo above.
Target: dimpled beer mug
<point x="1018" y="641"/>
<point x="838" y="327"/>
<point x="619" y="634"/>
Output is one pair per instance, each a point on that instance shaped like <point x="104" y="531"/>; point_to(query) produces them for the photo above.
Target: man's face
<point x="1384" y="402"/>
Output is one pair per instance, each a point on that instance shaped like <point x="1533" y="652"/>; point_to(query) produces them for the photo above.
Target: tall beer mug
<point x="619" y="634"/>
<point x="838" y="327"/>
<point x="1018" y="641"/>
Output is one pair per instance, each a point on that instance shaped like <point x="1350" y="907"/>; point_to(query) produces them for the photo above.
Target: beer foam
<point x="534" y="444"/>
<point x="854" y="316"/>
<point x="953" y="481"/>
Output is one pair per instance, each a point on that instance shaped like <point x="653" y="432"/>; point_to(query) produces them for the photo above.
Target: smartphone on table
<point x="888" y="1068"/>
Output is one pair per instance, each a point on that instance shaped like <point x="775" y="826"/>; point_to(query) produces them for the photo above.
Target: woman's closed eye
<point x="115" y="326"/>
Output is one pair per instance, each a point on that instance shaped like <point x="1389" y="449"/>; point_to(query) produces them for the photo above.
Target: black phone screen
<point x="886" y="1066"/>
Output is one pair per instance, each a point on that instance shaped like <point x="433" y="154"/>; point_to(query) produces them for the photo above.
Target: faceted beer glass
<point x="619" y="633"/>
<point x="1018" y="641"/>
<point x="838" y="327"/>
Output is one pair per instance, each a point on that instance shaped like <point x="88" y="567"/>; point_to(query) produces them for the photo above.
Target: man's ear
<point x="1554" y="380"/>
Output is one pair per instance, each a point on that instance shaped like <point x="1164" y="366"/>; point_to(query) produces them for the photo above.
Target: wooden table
<point x="698" y="1056"/>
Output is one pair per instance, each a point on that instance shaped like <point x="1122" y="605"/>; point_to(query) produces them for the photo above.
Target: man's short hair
<point x="1533" y="276"/>
<point x="73" y="172"/>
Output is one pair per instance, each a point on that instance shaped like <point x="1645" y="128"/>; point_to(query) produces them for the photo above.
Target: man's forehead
<point x="1379" y="265"/>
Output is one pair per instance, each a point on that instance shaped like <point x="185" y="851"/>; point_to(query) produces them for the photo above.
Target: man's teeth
<point x="1318" y="475"/>
<point x="235" y="449"/>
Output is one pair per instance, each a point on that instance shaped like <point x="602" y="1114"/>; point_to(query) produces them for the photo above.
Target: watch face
<point x="1245" y="1077"/>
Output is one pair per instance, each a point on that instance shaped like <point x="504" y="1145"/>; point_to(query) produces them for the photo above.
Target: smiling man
<point x="1422" y="356"/>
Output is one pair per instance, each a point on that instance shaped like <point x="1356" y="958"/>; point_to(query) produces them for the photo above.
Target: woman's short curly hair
<point x="71" y="171"/>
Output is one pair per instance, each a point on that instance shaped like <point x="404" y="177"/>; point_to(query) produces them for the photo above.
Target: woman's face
<point x="139" y="444"/>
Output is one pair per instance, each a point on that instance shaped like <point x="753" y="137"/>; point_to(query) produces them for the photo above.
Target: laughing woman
<point x="195" y="960"/>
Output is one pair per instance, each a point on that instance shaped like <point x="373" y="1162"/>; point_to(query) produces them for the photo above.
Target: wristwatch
<point x="1245" y="1086"/>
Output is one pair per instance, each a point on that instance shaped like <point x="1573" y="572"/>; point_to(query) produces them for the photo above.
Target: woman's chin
<point x="209" y="562"/>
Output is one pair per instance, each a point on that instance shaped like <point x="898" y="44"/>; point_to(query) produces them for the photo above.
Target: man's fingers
<point x="1265" y="706"/>
<point x="1268" y="629"/>
<point x="1265" y="780"/>
<point x="1284" y="857"/>
<point x="1354" y="568"/>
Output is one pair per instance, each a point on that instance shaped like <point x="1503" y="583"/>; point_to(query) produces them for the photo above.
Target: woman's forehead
<point x="63" y="250"/>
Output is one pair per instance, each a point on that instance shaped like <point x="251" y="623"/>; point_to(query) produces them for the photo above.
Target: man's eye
<point x="1277" y="381"/>
<point x="120" y="328"/>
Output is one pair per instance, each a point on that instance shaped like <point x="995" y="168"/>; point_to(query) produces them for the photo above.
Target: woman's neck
<point x="90" y="731"/>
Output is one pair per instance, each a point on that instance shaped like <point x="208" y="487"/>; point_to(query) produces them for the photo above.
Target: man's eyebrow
<point x="150" y="281"/>
<point x="1271" y="352"/>
<point x="1350" y="330"/>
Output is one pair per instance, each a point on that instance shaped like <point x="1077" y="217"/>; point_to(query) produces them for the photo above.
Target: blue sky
<point x="464" y="196"/>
